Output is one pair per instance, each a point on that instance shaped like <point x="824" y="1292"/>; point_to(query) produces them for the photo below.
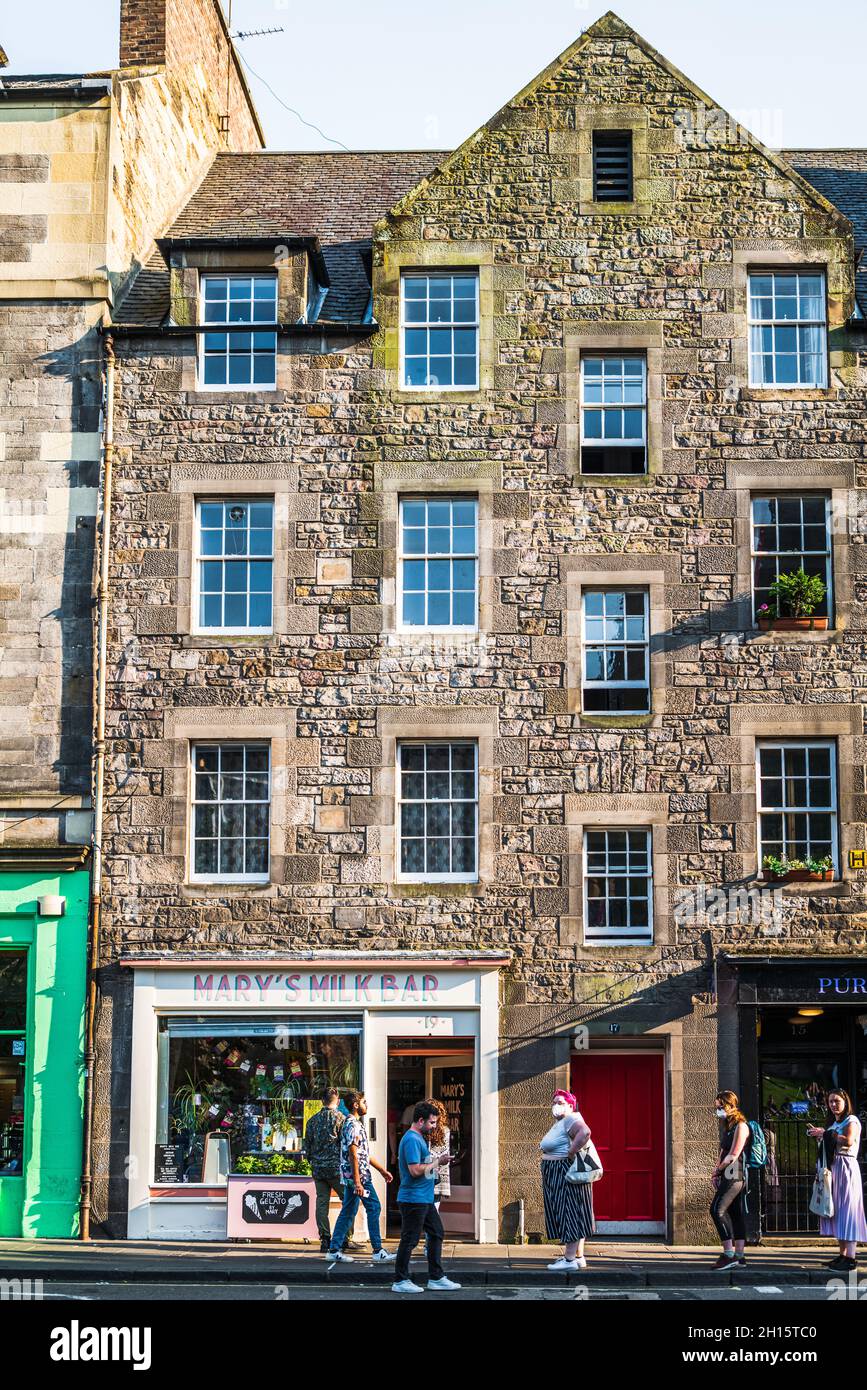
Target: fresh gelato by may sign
<point x="313" y="987"/>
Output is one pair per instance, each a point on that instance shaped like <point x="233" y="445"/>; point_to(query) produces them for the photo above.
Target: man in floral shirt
<point x="355" y="1166"/>
<point x="322" y="1151"/>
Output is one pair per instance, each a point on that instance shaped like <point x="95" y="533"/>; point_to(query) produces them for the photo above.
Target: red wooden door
<point x="622" y="1098"/>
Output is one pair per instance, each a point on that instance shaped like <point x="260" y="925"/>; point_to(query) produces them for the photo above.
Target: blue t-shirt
<point x="413" y="1149"/>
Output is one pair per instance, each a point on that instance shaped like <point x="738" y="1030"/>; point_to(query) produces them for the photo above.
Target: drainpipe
<point x="100" y="597"/>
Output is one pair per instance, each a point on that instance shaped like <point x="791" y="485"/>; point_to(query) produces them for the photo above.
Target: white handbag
<point x="586" y="1165"/>
<point x="821" y="1199"/>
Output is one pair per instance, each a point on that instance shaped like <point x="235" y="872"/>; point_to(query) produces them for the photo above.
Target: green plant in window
<point x="343" y="1076"/>
<point x="190" y="1105"/>
<point x="796" y="594"/>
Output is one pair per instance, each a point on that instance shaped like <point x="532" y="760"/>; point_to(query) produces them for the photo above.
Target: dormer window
<point x="239" y="356"/>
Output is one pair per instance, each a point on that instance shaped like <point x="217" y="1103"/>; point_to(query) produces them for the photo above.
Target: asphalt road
<point x="320" y="1293"/>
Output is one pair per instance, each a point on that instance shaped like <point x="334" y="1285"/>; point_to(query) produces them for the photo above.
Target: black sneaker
<point x="324" y="1245"/>
<point x="725" y="1262"/>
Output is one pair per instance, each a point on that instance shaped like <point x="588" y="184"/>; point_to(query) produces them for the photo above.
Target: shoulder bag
<point x="586" y="1165"/>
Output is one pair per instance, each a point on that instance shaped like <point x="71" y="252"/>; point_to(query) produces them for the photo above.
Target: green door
<point x="13" y="1087"/>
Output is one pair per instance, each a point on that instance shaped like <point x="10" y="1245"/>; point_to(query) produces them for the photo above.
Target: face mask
<point x="720" y="1114"/>
<point x="558" y="1110"/>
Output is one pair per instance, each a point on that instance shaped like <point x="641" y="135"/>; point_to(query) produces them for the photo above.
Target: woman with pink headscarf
<point x="568" y="1206"/>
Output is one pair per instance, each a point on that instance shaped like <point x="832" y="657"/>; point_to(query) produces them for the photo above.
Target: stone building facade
<point x="91" y="166"/>
<point x="566" y="276"/>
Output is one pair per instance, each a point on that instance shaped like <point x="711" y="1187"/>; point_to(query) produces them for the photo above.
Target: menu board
<point x="169" y="1164"/>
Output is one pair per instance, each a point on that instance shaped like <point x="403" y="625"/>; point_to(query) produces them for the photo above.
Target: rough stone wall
<point x="339" y="431"/>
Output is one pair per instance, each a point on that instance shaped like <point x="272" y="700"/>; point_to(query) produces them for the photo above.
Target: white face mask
<point x="559" y="1110"/>
<point x="720" y="1114"/>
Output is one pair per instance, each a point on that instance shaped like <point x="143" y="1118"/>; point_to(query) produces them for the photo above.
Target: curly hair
<point x="437" y="1137"/>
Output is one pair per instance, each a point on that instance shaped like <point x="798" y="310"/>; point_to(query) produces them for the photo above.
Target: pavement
<point x="630" y="1266"/>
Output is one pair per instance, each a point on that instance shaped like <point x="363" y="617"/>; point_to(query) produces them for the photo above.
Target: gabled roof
<point x="335" y="197"/>
<point x="342" y="197"/>
<point x="841" y="177"/>
<point x="610" y="25"/>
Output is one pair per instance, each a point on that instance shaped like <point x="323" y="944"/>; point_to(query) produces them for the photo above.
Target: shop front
<point x="230" y="1058"/>
<point x="802" y="1028"/>
<point x="43" y="939"/>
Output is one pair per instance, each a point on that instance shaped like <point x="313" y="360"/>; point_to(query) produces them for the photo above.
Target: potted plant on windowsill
<point x="795" y="598"/>
<point x="798" y="870"/>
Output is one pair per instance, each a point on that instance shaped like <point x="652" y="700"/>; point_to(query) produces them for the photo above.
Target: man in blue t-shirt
<point x="415" y="1200"/>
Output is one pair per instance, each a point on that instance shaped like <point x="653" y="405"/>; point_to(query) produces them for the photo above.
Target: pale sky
<point x="393" y="74"/>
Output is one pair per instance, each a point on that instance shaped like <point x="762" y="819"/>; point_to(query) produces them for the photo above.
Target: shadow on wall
<point x="80" y="364"/>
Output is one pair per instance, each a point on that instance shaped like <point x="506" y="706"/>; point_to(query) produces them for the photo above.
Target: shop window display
<point x="242" y="1092"/>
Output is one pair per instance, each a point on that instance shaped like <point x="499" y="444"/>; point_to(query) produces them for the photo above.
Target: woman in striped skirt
<point x="568" y="1206"/>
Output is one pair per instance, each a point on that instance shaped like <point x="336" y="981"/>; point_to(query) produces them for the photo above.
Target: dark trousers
<point x="415" y="1218"/>
<point x="324" y="1189"/>
<point x="727" y="1209"/>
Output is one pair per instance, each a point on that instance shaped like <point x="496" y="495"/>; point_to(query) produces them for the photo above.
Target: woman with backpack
<point x="730" y="1180"/>
<point x="840" y="1141"/>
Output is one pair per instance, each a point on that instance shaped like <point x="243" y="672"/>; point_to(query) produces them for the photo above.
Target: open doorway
<point x="441" y="1068"/>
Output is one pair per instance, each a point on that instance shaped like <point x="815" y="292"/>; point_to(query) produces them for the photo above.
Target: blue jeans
<point x="372" y="1206"/>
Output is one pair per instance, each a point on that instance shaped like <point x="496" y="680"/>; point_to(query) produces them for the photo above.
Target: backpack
<point x="757" y="1146"/>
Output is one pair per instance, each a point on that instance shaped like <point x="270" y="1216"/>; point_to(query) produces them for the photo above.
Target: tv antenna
<point x="256" y="33"/>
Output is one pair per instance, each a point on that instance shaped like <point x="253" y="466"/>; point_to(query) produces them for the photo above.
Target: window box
<point x="798" y="876"/>
<point x="793" y="624"/>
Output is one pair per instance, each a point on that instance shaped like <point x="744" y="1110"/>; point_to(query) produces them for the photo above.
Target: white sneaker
<point x="339" y="1257"/>
<point x="406" y="1286"/>
<point x="563" y="1264"/>
<point x="383" y="1257"/>
<point x="443" y="1283"/>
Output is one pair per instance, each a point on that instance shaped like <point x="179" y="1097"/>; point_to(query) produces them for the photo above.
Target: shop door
<point x="622" y="1098"/>
<point x="450" y="1080"/>
<point x="401" y="1055"/>
<point x="13" y="1063"/>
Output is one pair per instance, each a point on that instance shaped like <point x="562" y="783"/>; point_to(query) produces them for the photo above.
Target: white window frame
<point x="223" y="326"/>
<point x="435" y="629"/>
<point x="196" y="626"/>
<point x="429" y="877"/>
<point x="603" y="443"/>
<point x="217" y="877"/>
<point x="780" y="555"/>
<point x="625" y="936"/>
<point x="833" y="811"/>
<point x="446" y="274"/>
<point x="815" y="272"/>
<point x="595" y="643"/>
